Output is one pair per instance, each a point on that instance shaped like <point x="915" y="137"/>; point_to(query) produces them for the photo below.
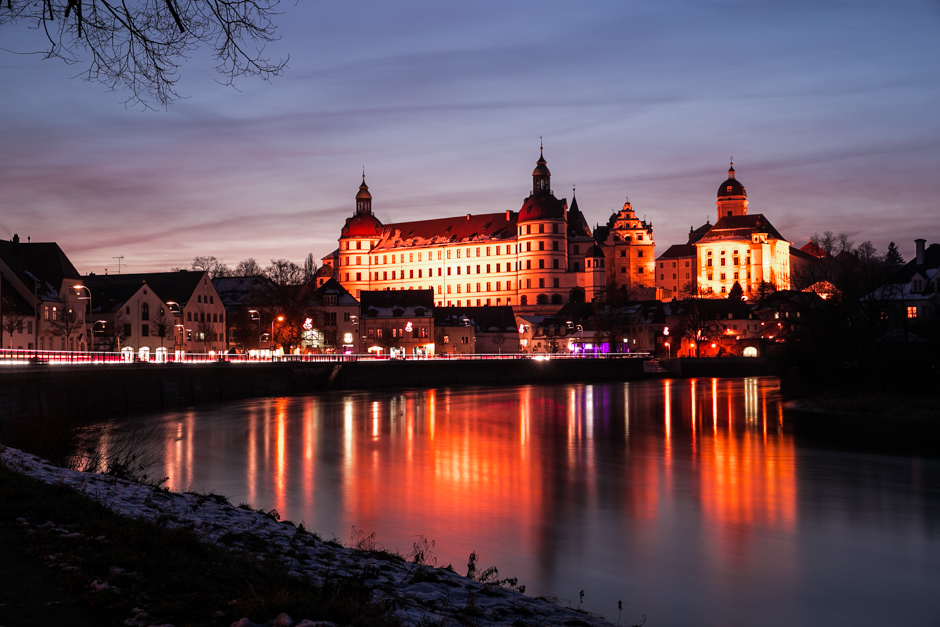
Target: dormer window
<point x="917" y="285"/>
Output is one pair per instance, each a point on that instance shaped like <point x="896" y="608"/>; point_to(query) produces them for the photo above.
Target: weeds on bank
<point x="117" y="564"/>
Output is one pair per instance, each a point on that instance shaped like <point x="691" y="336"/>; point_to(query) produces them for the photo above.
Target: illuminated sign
<point x="665" y="330"/>
<point x="347" y="338"/>
<point x="521" y="328"/>
<point x="308" y="324"/>
<point x="408" y="327"/>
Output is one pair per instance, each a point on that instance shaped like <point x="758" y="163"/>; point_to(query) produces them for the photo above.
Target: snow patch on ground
<point x="417" y="593"/>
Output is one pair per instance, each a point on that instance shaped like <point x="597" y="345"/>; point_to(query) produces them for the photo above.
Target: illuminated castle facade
<point x="542" y="255"/>
<point x="739" y="248"/>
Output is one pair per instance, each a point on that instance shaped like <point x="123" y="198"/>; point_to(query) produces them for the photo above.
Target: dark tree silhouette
<point x="140" y="46"/>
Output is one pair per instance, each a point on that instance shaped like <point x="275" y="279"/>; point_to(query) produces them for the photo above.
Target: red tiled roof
<point x="741" y="227"/>
<point x="472" y="228"/>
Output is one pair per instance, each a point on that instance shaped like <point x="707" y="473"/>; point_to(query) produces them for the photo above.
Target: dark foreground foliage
<point x="169" y="573"/>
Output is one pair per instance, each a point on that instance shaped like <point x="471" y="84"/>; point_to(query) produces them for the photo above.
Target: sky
<point x="829" y="109"/>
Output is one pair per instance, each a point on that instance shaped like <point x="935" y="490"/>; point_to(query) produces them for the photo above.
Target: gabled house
<point x="40" y="277"/>
<point x="913" y="292"/>
<point x="397" y="323"/>
<point x="245" y="316"/>
<point x="139" y="309"/>
<point x="337" y="327"/>
<point x="462" y="330"/>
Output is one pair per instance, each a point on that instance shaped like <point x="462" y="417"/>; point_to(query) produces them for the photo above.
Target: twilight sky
<point x="830" y="109"/>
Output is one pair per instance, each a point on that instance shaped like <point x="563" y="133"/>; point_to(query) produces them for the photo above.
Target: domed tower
<point x="732" y="197"/>
<point x="543" y="245"/>
<point x="359" y="235"/>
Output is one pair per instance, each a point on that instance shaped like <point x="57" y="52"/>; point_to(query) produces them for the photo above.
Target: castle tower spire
<point x="363" y="198"/>
<point x="541" y="176"/>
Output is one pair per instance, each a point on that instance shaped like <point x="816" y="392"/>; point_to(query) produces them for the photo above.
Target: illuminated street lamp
<point x="103" y="322"/>
<point x="179" y="312"/>
<point x="255" y="312"/>
<point x="88" y="298"/>
<point x="279" y="319"/>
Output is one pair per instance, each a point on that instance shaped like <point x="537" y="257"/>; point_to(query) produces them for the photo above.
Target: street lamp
<point x="279" y="319"/>
<point x="103" y="322"/>
<point x="255" y="312"/>
<point x="580" y="333"/>
<point x="179" y="313"/>
<point x="90" y="308"/>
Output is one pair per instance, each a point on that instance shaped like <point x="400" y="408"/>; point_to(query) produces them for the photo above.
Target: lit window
<point x="912" y="312"/>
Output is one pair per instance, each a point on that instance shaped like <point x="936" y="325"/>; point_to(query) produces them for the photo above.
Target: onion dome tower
<point x="360" y="234"/>
<point x="732" y="197"/>
<point x="543" y="242"/>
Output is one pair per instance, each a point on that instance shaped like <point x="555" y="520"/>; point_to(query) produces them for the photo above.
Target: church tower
<point x="360" y="234"/>
<point x="732" y="197"/>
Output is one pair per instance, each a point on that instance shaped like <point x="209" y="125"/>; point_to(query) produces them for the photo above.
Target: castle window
<point x="358" y="260"/>
<point x="554" y="228"/>
<point x="541" y="264"/>
<point x="478" y="288"/>
<point x="478" y="251"/>
<point x="662" y="265"/>
<point x="639" y="270"/>
<point x="723" y="290"/>
<point x="577" y="249"/>
<point x="487" y="286"/>
<point x="555" y="263"/>
<point x="439" y="272"/>
<point x="710" y="275"/>
<point x="458" y="269"/>
<point x="358" y="245"/>
<point x="735" y="276"/>
<point x="358" y="276"/>
<point x="497" y="267"/>
<point x="623" y="253"/>
<point x="722" y="261"/>
<point x="478" y="269"/>
<point x="385" y="276"/>
<point x="448" y="271"/>
<point x="497" y="250"/>
<point x="912" y="312"/>
<point x="458" y="291"/>
<point x="709" y="262"/>
<point x="419" y="257"/>
<point x="448" y="253"/>
<point x="487" y="251"/>
<point x="411" y="274"/>
<point x="555" y="245"/>
<point x="528" y="247"/>
<point x="448" y="289"/>
<point x="639" y="237"/>
<point x="528" y="229"/>
<point x="709" y="253"/>
<point x="722" y="276"/>
<point x="347" y="245"/>
<point x="541" y="245"/>
<point x="384" y="259"/>
<point x="623" y="270"/>
<point x="487" y="268"/>
<point x="523" y="300"/>
<point x="541" y="282"/>
<point x="458" y="253"/>
<point x="420" y="272"/>
<point x="541" y="228"/>
<point x="639" y="253"/>
<point x="438" y="254"/>
<point x="662" y="277"/>
<point x="528" y="264"/>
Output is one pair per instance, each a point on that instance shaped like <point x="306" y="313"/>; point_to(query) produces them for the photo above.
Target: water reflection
<point x="687" y="499"/>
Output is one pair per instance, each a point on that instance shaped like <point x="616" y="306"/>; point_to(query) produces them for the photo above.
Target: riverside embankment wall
<point x="60" y="389"/>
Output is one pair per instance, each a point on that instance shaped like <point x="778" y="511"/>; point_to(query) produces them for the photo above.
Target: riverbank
<point x="141" y="555"/>
<point x="113" y="389"/>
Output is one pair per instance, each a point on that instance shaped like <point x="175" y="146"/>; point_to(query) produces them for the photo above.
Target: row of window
<point x="662" y="264"/>
<point x="379" y="333"/>
<point x="735" y="262"/>
<point x="662" y="277"/>
<point x="724" y="276"/>
<point x="202" y="316"/>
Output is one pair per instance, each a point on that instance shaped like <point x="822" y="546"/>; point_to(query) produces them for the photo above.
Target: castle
<point x="538" y="258"/>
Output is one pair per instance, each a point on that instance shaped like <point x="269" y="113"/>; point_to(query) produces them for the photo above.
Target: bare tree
<point x="247" y="267"/>
<point x="215" y="267"/>
<point x="10" y="320"/>
<point x="140" y="46"/>
<point x="162" y="326"/>
<point x="65" y="324"/>
<point x="499" y="338"/>
<point x="288" y="295"/>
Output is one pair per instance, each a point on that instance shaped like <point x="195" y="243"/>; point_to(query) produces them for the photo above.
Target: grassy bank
<point x="113" y="564"/>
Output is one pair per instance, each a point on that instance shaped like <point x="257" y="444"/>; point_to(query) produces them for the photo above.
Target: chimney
<point x="508" y="212"/>
<point x="16" y="238"/>
<point x="468" y="216"/>
<point x="919" y="243"/>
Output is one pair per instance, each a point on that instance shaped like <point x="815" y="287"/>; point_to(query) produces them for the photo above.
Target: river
<point x="691" y="501"/>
